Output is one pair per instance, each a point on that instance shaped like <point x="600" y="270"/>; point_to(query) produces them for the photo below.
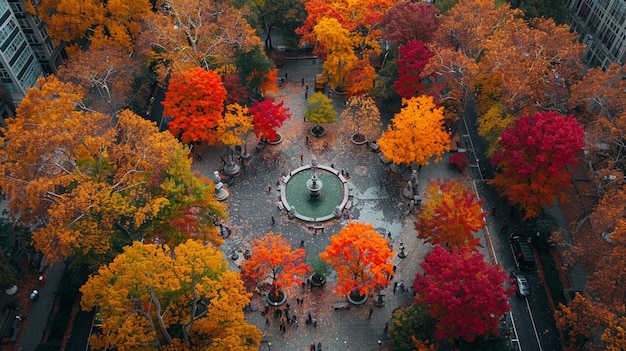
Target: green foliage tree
<point x="409" y="324"/>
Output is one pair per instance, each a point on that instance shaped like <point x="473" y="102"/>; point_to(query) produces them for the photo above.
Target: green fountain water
<point x="297" y="194"/>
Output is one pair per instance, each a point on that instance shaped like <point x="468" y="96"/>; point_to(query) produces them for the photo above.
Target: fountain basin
<point x="332" y="198"/>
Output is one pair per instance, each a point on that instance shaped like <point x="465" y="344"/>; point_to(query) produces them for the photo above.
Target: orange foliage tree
<point x="450" y="214"/>
<point x="362" y="117"/>
<point x="273" y="261"/>
<point x="101" y="23"/>
<point x="580" y="320"/>
<point x="195" y="101"/>
<point x="416" y="133"/>
<point x="361" y="258"/>
<point x="170" y="299"/>
<point x="88" y="186"/>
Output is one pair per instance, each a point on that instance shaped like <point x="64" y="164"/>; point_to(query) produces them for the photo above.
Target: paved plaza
<point x="376" y="199"/>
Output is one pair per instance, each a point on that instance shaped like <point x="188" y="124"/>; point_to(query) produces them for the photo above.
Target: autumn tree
<point x="363" y="117"/>
<point x="407" y="21"/>
<point x="346" y="34"/>
<point x="411" y="326"/>
<point x="614" y="336"/>
<point x="580" y="320"/>
<point x="416" y="133"/>
<point x="195" y="100"/>
<point x="463" y="293"/>
<point x="181" y="298"/>
<point x="341" y="58"/>
<point x="256" y="71"/>
<point x="184" y="34"/>
<point x="450" y="214"/>
<point x="536" y="152"/>
<point x="267" y="117"/>
<point x="320" y="110"/>
<point x="236" y="123"/>
<point x="275" y="262"/>
<point x="107" y="73"/>
<point x="361" y="258"/>
<point x="87" y="186"/>
<point x="100" y="23"/>
<point x="360" y="80"/>
<point x="413" y="58"/>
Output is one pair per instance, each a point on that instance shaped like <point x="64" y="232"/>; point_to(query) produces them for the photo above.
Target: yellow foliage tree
<point x="416" y="133"/>
<point x="149" y="292"/>
<point x="341" y="57"/>
<point x="235" y="125"/>
<point x="491" y="124"/>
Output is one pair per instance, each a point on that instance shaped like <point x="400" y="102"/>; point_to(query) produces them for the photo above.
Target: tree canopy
<point x="181" y="298"/>
<point x="450" y="214"/>
<point x="534" y="157"/>
<point x="416" y="133"/>
<point x="195" y="101"/>
<point x="463" y="293"/>
<point x="320" y="109"/>
<point x="361" y="258"/>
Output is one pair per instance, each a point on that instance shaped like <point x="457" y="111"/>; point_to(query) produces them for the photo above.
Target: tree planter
<point x="358" y="139"/>
<point x="356" y="299"/>
<point x="278" y="140"/>
<point x="397" y="169"/>
<point x="275" y="300"/>
<point x="318" y="280"/>
<point x="318" y="131"/>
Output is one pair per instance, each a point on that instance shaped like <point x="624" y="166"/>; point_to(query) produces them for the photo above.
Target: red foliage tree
<point x="465" y="294"/>
<point x="450" y="215"/>
<point x="407" y="21"/>
<point x="195" y="101"/>
<point x="273" y="261"/>
<point x="533" y="159"/>
<point x="237" y="93"/>
<point x="413" y="58"/>
<point x="361" y="258"/>
<point x="268" y="116"/>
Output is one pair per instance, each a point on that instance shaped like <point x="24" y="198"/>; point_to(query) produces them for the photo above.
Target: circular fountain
<point x="314" y="193"/>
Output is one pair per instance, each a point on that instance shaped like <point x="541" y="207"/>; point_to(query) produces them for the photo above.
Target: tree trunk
<point x="157" y="304"/>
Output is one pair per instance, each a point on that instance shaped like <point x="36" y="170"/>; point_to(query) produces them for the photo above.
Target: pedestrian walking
<point x="302" y="244"/>
<point x="386" y="327"/>
<point x="315" y="323"/>
<point x="269" y="188"/>
<point x="302" y="81"/>
<point x="303" y="285"/>
<point x="319" y="346"/>
<point x="254" y="169"/>
<point x="307" y="138"/>
<point x="267" y="321"/>
<point x="395" y="286"/>
<point x="273" y="220"/>
<point x="332" y="165"/>
<point x="306" y="95"/>
<point x="371" y="312"/>
<point x="309" y="319"/>
<point x="275" y="159"/>
<point x="307" y="87"/>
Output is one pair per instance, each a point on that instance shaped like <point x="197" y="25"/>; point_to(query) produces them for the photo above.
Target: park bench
<point x="317" y="227"/>
<point x="341" y="306"/>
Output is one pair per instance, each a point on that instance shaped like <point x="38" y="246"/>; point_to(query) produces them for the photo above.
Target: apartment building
<point x="602" y="26"/>
<point x="26" y="53"/>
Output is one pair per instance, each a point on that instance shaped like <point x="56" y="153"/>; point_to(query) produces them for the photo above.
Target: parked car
<point x="524" y="257"/>
<point x="522" y="288"/>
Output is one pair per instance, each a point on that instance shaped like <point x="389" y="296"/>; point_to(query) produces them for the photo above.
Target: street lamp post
<point x="269" y="346"/>
<point x="380" y="344"/>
